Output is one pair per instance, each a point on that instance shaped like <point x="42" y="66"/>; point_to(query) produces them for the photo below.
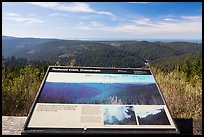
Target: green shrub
<point x="19" y="92"/>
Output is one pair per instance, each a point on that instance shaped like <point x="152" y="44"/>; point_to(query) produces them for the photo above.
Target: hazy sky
<point x="103" y="20"/>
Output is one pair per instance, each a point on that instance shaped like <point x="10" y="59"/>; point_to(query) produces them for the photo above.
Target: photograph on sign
<point x="77" y="88"/>
<point x="151" y="115"/>
<point x="119" y="115"/>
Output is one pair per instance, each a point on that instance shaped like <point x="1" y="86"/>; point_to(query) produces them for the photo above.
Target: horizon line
<point x="109" y="39"/>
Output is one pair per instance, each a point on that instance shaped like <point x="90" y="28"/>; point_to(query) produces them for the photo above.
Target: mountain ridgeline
<point x="97" y="53"/>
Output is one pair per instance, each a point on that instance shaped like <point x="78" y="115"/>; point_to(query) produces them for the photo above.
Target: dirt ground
<point x="197" y="126"/>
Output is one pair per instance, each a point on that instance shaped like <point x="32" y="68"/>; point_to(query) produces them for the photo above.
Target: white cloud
<point x="167" y="19"/>
<point x="53" y="14"/>
<point x="144" y="27"/>
<point x="161" y="27"/>
<point x="70" y="7"/>
<point x="11" y="14"/>
<point x="17" y="17"/>
<point x="81" y="23"/>
<point x="105" y="13"/>
<point x="58" y="15"/>
<point x="45" y="4"/>
<point x="25" y="20"/>
<point x="76" y="7"/>
<point x="95" y="24"/>
<point x="143" y="22"/>
<point x="91" y="26"/>
<point x="192" y="18"/>
<point x="172" y="20"/>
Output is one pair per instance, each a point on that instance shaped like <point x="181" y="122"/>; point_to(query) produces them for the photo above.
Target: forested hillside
<point x="177" y="67"/>
<point x="95" y="53"/>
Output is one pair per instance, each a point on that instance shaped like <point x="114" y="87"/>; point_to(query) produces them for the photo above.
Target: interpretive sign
<point x="99" y="100"/>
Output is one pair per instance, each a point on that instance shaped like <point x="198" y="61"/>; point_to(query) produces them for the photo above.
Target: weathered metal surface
<point x="13" y="125"/>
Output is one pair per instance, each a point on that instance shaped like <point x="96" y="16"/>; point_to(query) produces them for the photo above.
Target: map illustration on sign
<point x="99" y="98"/>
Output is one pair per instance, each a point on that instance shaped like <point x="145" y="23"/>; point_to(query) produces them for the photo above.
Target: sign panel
<point x="99" y="100"/>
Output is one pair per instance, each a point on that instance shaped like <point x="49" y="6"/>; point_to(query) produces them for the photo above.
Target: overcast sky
<point x="103" y="20"/>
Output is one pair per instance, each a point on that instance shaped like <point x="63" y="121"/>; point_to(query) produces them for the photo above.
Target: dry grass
<point x="184" y="99"/>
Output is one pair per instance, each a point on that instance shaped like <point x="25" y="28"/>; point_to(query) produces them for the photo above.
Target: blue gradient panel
<point x="101" y="93"/>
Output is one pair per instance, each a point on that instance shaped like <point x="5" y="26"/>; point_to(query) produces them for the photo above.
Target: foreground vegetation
<point x="184" y="99"/>
<point x="180" y="81"/>
<point x="18" y="92"/>
<point x="21" y="80"/>
<point x="181" y="87"/>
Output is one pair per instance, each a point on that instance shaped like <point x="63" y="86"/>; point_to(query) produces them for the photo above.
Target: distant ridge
<point x="111" y="39"/>
<point x="95" y="53"/>
<point x="8" y="37"/>
<point x="13" y="37"/>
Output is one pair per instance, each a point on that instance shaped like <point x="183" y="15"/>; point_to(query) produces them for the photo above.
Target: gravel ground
<point x="12" y="125"/>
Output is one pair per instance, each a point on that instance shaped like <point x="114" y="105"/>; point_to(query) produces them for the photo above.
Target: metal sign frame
<point x="99" y="130"/>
